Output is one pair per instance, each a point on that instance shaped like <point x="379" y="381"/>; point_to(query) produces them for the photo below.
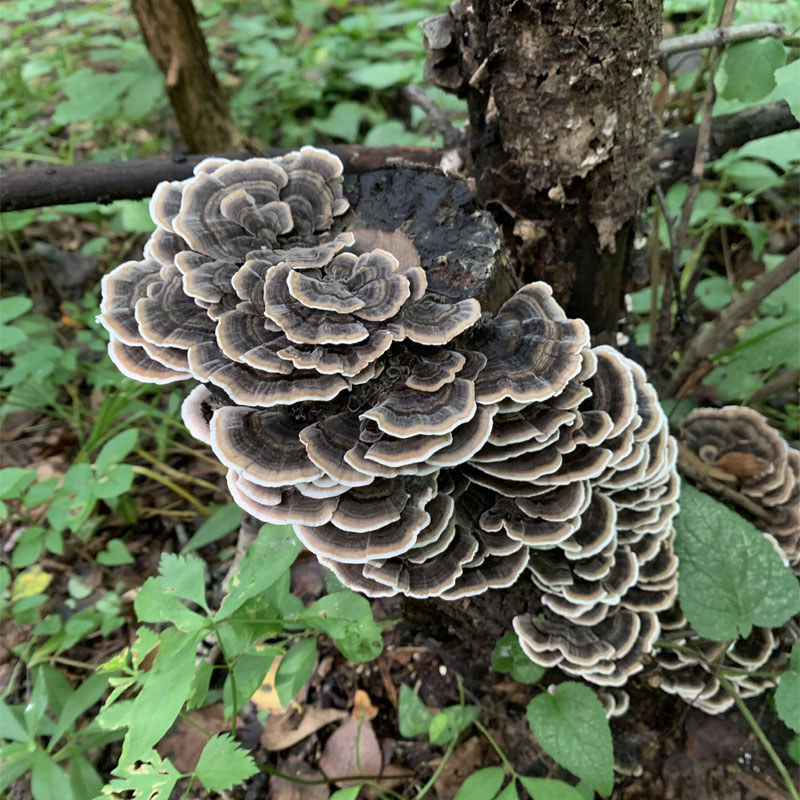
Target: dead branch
<point x="705" y="343"/>
<point x="721" y="36"/>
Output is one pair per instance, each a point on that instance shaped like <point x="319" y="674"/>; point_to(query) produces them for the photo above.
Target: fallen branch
<point x="721" y="36"/>
<point x="35" y="187"/>
<point x="132" y="180"/>
<point x="707" y="342"/>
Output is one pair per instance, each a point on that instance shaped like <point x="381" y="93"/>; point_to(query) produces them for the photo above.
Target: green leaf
<point x="571" y="726"/>
<point x="787" y="695"/>
<point x="48" y="782"/>
<point x="549" y="789"/>
<point x="509" y="793"/>
<point x="265" y="561"/>
<point x="747" y="69"/>
<point x="449" y="723"/>
<point x="729" y="577"/>
<point x="219" y="524"/>
<point x="14" y="481"/>
<point x="166" y="688"/>
<point x="115" y="449"/>
<point x="482" y="785"/>
<point x="83" y="698"/>
<point x="16" y="758"/>
<point x="788" y="79"/>
<point x="223" y="764"/>
<point x="414" y="719"/>
<point x="793" y="749"/>
<point x="118" y="480"/>
<point x="342" y="122"/>
<point x="714" y="293"/>
<point x="248" y="672"/>
<point x="83" y="778"/>
<point x="153" y="604"/>
<point x="350" y="793"/>
<point x="153" y="779"/>
<point x="508" y="656"/>
<point x="383" y="75"/>
<point x="37" y="702"/>
<point x="115" y="554"/>
<point x="28" y="547"/>
<point x="184" y="577"/>
<point x="12" y="723"/>
<point x="13" y="307"/>
<point x="295" y="669"/>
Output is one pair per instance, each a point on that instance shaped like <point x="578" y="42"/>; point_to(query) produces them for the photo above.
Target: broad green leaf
<point x="793" y="749"/>
<point x="508" y="656"/>
<point x="153" y="779"/>
<point x="509" y="793"/>
<point x="571" y="726"/>
<point x="13" y="307"/>
<point x="166" y="688"/>
<point x="83" y="778"/>
<point x="219" y="524"/>
<point x="48" y="781"/>
<point x="28" y="547"/>
<point x="549" y="789"/>
<point x="12" y="723"/>
<point x="118" y="480"/>
<point x="184" y="577"/>
<point x="747" y="69"/>
<point x="729" y="577"/>
<point x="265" y="561"/>
<point x="342" y="122"/>
<point x="714" y="293"/>
<point x="481" y="785"/>
<point x="79" y="701"/>
<point x="16" y="758"/>
<point x="115" y="554"/>
<point x="413" y="717"/>
<point x="248" y="673"/>
<point x="295" y="669"/>
<point x="381" y="76"/>
<point x="788" y="79"/>
<point x="350" y="793"/>
<point x="787" y="695"/>
<point x="38" y="700"/>
<point x="14" y="481"/>
<point x="449" y="723"/>
<point x="153" y="604"/>
<point x="115" y="449"/>
<point x="223" y="764"/>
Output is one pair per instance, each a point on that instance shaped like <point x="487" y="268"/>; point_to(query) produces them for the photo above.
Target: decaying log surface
<point x="559" y="99"/>
<point x="172" y="34"/>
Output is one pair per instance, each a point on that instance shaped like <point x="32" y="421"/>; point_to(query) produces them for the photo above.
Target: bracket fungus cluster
<point x="745" y="450"/>
<point x="416" y="444"/>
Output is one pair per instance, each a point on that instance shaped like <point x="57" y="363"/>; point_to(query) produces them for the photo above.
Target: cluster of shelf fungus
<point x="416" y="444"/>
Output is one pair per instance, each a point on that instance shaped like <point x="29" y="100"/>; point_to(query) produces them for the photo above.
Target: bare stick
<point x="705" y="343"/>
<point x="785" y="380"/>
<point x="719" y="37"/>
<point x="451" y="136"/>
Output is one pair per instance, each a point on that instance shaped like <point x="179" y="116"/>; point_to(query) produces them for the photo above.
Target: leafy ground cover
<point x="142" y="656"/>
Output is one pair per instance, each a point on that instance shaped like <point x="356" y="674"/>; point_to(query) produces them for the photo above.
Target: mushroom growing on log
<point x="372" y="378"/>
<point x="738" y="441"/>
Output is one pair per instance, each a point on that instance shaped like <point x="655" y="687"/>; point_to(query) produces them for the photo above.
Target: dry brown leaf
<point x="362" y="706"/>
<point x="283" y="730"/>
<point x="282" y="789"/>
<point x="352" y="749"/>
<point x="266" y="697"/>
<point x="742" y="465"/>
<point x="466" y="758"/>
<point x="184" y="743"/>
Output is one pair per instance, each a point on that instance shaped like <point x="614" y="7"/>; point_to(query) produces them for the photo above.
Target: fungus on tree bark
<point x="740" y="442"/>
<point x="355" y="389"/>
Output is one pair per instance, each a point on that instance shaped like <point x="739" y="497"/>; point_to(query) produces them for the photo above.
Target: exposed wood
<point x="172" y="34"/>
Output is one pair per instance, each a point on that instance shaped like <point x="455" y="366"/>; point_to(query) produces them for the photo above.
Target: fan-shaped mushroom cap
<point x="134" y="362"/>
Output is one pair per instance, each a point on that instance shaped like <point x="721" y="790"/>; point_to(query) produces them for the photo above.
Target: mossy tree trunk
<point x="560" y="128"/>
<point x="172" y="34"/>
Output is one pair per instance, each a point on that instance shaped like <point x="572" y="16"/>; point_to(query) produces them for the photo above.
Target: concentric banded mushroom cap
<point x="417" y="446"/>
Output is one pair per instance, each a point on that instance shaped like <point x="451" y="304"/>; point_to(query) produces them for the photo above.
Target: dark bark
<point x="172" y="34"/>
<point x="560" y="129"/>
<point x="132" y="180"/>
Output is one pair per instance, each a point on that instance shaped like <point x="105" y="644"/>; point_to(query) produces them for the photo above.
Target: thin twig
<point x="718" y="37"/>
<point x="762" y="737"/>
<point x="701" y="153"/>
<point x="707" y="342"/>
<point x="451" y="136"/>
<point x="785" y="380"/>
